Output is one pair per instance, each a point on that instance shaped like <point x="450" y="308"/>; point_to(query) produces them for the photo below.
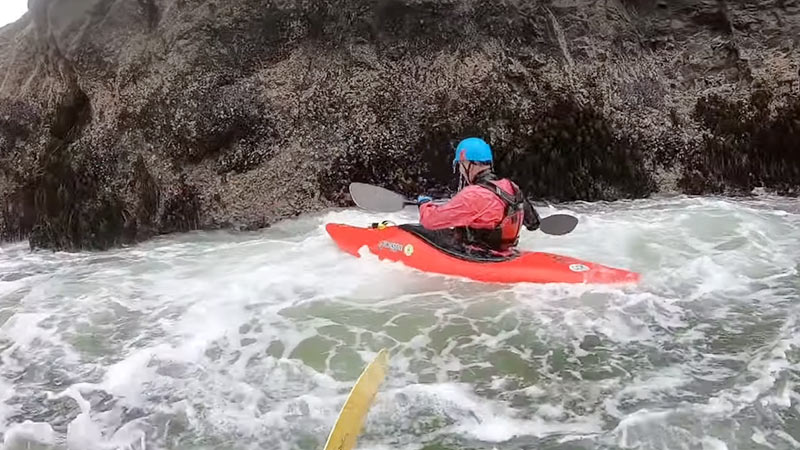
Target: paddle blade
<point x="351" y="418"/>
<point x="374" y="198"/>
<point x="558" y="224"/>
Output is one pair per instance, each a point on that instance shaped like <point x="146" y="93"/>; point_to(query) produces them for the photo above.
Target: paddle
<point x="375" y="198"/>
<point x="558" y="224"/>
<point x="345" y="431"/>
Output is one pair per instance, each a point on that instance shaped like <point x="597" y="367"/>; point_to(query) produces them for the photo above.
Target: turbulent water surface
<point x="253" y="340"/>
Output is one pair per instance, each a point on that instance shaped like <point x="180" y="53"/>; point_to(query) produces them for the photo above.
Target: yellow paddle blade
<point x="351" y="418"/>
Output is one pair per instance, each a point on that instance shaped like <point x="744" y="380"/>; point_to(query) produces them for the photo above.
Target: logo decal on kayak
<point x="408" y="249"/>
<point x="392" y="246"/>
<point x="578" y="268"/>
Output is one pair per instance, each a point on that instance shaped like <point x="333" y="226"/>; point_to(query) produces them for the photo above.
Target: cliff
<point x="122" y="119"/>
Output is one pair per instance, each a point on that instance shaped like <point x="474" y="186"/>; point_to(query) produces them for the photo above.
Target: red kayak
<point x="410" y="245"/>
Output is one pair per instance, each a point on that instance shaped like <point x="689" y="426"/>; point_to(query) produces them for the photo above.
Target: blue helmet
<point x="473" y="149"/>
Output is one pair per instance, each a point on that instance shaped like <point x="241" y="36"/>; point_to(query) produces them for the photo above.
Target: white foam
<point x="534" y="391"/>
<point x="22" y="329"/>
<point x="491" y="421"/>
<point x="185" y="323"/>
<point x="649" y="384"/>
<point x="787" y="437"/>
<point x="639" y="419"/>
<point x="710" y="443"/>
<point x="6" y="392"/>
<point x="28" y="435"/>
<point x="759" y="438"/>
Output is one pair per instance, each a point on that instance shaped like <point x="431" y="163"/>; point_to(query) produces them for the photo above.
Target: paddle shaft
<point x="375" y="198"/>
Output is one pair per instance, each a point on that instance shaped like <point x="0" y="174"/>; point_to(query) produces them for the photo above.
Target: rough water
<point x="253" y="340"/>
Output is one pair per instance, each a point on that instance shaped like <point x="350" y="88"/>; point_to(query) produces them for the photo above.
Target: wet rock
<point x="123" y="120"/>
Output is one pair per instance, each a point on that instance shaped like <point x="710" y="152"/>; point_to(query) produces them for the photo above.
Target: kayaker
<point x="487" y="212"/>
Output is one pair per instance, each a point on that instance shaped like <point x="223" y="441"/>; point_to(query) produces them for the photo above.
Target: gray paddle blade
<point x="558" y="224"/>
<point x="375" y="198"/>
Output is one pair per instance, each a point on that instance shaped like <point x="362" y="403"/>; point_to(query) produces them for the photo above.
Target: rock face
<point x="122" y="119"/>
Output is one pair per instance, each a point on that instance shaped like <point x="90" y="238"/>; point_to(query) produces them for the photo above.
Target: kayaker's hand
<point x="423" y="199"/>
<point x="532" y="219"/>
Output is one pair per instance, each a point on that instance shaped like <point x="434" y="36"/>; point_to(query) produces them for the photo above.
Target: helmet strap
<point x="469" y="172"/>
<point x="463" y="179"/>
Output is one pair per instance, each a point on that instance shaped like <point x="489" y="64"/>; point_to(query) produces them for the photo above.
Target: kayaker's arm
<point x="532" y="219"/>
<point x="458" y="212"/>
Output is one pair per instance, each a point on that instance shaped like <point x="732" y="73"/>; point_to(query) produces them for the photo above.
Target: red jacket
<point x="473" y="207"/>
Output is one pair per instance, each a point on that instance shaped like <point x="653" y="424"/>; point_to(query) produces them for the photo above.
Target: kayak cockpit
<point x="447" y="242"/>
